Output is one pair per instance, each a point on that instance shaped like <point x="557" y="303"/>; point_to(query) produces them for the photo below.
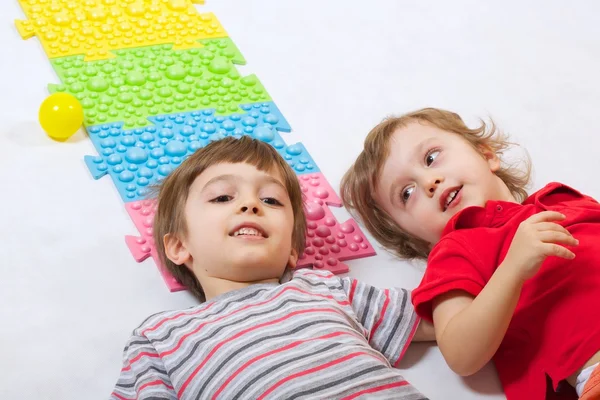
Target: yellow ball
<point x="61" y="115"/>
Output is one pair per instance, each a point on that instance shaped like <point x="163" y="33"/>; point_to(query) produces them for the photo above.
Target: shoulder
<point x="453" y="258"/>
<point x="321" y="282"/>
<point x="451" y="265"/>
<point x="454" y="244"/>
<point x="313" y="275"/>
<point x="167" y="319"/>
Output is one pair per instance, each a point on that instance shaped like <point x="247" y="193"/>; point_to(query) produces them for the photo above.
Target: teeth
<point x="247" y="231"/>
<point x="451" y="197"/>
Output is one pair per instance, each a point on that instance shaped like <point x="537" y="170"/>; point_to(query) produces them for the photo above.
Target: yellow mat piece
<point x="96" y="27"/>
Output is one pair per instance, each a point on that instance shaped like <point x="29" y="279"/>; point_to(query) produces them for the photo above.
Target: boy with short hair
<point x="229" y="224"/>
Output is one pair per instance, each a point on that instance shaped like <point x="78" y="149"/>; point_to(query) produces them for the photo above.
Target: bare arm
<point x="425" y="332"/>
<point x="469" y="330"/>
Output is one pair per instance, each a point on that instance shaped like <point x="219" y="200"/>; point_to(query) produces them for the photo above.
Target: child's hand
<point x="537" y="238"/>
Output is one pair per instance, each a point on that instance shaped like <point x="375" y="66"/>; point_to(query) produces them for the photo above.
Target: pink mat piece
<point x="328" y="242"/>
<point x="142" y="247"/>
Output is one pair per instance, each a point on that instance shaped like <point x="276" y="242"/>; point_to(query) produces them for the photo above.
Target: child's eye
<point x="406" y="193"/>
<point x="224" y="198"/>
<point x="431" y="156"/>
<point x="271" y="201"/>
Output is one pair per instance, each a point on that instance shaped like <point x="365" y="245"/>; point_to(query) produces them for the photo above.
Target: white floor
<point x="70" y="292"/>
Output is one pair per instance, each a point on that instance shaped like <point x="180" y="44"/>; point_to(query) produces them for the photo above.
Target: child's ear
<point x="491" y="157"/>
<point x="293" y="260"/>
<point x="176" y="250"/>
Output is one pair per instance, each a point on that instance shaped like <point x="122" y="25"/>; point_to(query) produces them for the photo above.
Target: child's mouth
<point x="451" y="197"/>
<point x="248" y="231"/>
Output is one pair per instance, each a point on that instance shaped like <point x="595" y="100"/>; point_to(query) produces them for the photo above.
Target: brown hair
<point x="172" y="195"/>
<point x="361" y="180"/>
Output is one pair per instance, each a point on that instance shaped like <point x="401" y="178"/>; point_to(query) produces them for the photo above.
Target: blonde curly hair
<point x="361" y="180"/>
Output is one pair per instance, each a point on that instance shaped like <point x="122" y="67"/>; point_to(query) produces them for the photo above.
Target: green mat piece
<point x="147" y="81"/>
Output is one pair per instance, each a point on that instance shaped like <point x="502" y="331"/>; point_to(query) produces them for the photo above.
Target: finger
<point x="558" y="238"/>
<point x="546" y="216"/>
<point x="558" y="251"/>
<point x="551" y="226"/>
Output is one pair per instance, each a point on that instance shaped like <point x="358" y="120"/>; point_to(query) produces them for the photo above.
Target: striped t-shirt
<point x="317" y="336"/>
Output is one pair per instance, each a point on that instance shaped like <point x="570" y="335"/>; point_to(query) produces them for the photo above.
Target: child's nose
<point x="252" y="209"/>
<point x="433" y="184"/>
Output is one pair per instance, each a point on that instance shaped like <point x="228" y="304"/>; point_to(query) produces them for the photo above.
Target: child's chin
<point x="256" y="264"/>
<point x="250" y="258"/>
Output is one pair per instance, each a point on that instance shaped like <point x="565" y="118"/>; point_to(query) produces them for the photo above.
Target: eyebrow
<point x="417" y="152"/>
<point x="232" y="178"/>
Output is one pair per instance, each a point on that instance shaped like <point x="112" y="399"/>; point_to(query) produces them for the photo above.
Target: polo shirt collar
<point x="496" y="213"/>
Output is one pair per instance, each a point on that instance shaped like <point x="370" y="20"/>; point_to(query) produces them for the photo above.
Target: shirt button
<point x="498" y="208"/>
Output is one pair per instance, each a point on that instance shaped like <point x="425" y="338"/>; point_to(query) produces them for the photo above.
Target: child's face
<point x="430" y="175"/>
<point x="239" y="224"/>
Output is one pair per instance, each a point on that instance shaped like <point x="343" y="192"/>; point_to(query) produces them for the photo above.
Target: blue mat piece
<point x="138" y="158"/>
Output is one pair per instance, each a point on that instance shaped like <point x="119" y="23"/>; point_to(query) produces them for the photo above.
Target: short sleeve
<point x="386" y="314"/>
<point x="450" y="266"/>
<point x="143" y="375"/>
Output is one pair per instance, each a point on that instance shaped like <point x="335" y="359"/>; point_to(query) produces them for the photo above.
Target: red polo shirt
<point x="556" y="326"/>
